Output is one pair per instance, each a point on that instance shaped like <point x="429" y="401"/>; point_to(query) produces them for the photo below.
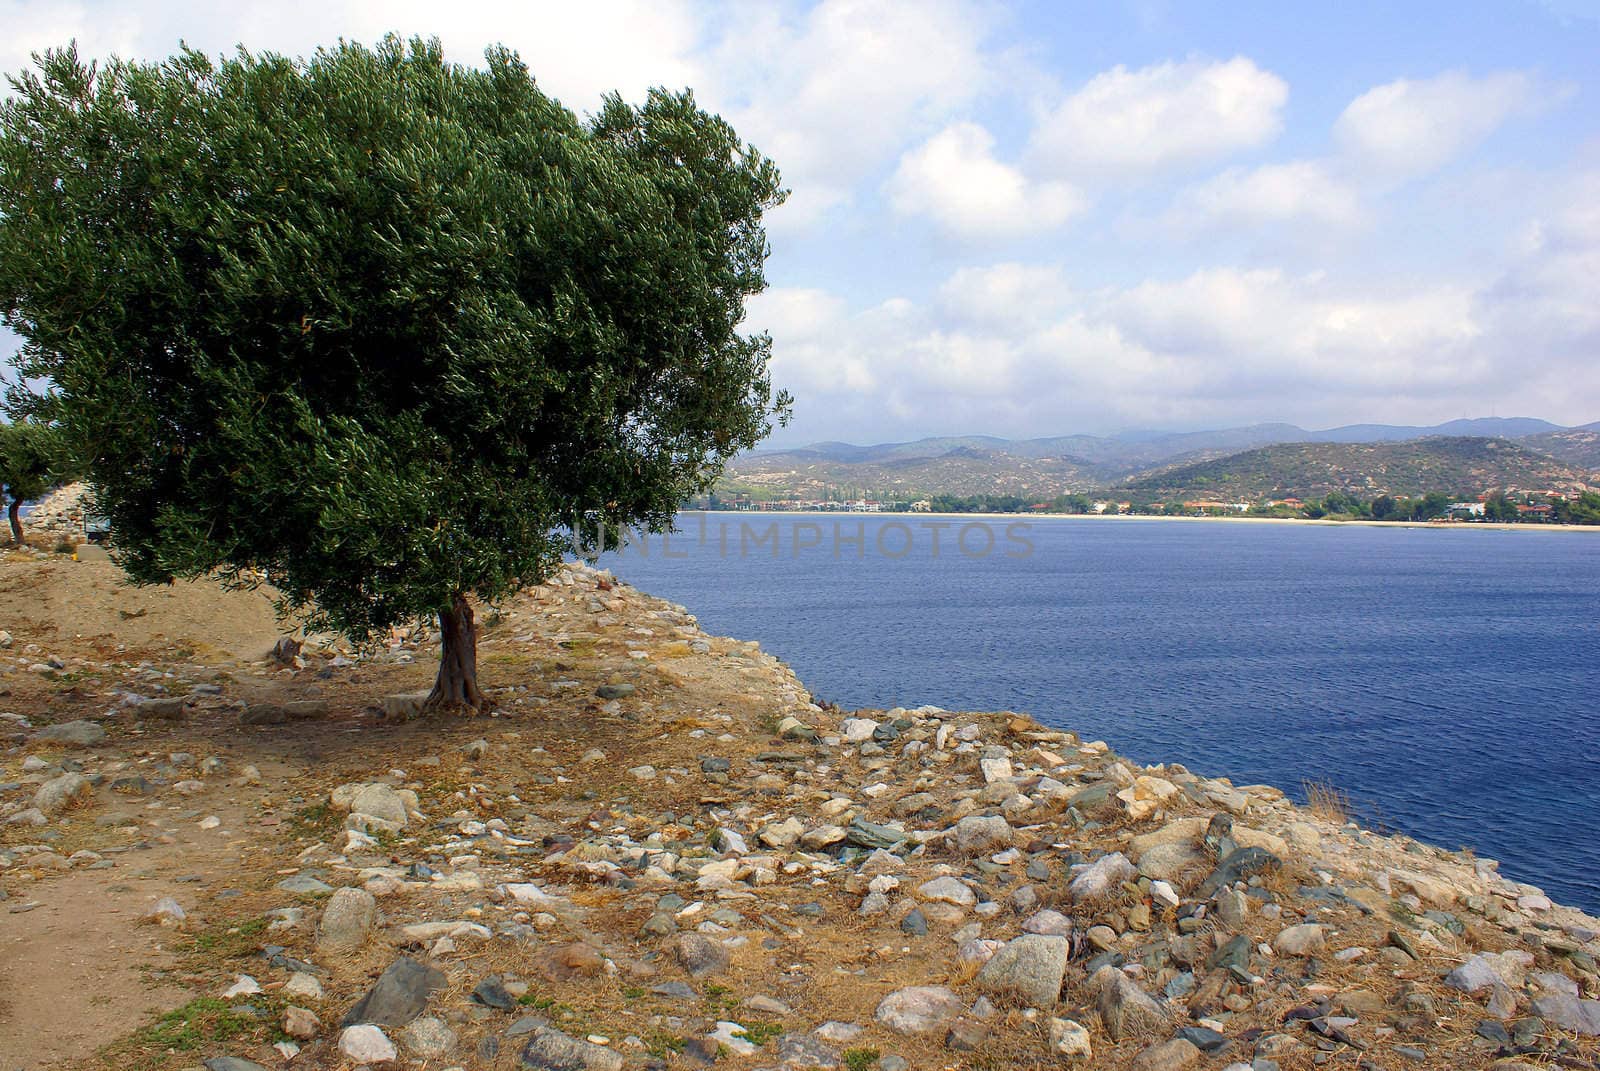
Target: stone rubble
<point x="791" y="884"/>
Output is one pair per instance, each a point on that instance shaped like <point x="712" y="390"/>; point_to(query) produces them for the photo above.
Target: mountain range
<point x="1519" y="452"/>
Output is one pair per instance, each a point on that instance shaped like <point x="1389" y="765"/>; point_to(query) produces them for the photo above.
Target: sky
<point x="1049" y="218"/>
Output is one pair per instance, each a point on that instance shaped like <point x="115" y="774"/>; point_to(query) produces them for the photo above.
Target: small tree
<point x="380" y="329"/>
<point x="32" y="463"/>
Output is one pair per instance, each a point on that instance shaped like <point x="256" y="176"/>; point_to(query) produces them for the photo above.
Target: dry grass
<point x="1327" y="802"/>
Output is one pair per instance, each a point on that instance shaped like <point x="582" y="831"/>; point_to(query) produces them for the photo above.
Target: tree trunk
<point x="457" y="686"/>
<point x="15" y="513"/>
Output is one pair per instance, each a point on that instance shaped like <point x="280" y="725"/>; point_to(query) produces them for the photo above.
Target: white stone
<point x="367" y="1044"/>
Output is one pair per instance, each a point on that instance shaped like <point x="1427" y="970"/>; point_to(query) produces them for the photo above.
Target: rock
<point x="1125" y="1009"/>
<point x="806" y="1050"/>
<point x="1030" y="968"/>
<point x="700" y="955"/>
<point x="947" y="890"/>
<point x="782" y="834"/>
<point x="1171" y="1055"/>
<point x="72" y="733"/>
<point x="165" y="911"/>
<point x="1070" y="1039"/>
<point x="59" y="793"/>
<point x="1569" y="1013"/>
<point x="1240" y="864"/>
<point x="305" y="885"/>
<point x="301" y="1024"/>
<point x="304" y="986"/>
<point x="567" y="963"/>
<point x="995" y="769"/>
<point x="399" y="996"/>
<point x="982" y="834"/>
<point x="1486" y="970"/>
<point x="549" y="1049"/>
<point x="857" y="730"/>
<point x="346" y="921"/>
<point x="1306" y="939"/>
<point x="428" y="1039"/>
<point x="491" y="992"/>
<point x="918" y="1009"/>
<point x="366" y="1044"/>
<point x="381" y="802"/>
<point x="169" y="709"/>
<point x="966" y="1035"/>
<point x="231" y="1063"/>
<point x="1102" y="877"/>
<point x="1048" y="922"/>
<point x="1167" y="862"/>
<point x="404" y="706"/>
<point x="615" y="691"/>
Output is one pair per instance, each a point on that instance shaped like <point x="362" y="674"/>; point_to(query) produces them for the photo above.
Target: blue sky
<point x="1044" y="218"/>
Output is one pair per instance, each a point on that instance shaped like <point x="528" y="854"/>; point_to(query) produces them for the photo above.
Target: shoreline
<point x="1495" y="526"/>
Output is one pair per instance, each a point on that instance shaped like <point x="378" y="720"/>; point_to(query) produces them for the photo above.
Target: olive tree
<point x="33" y="462"/>
<point x="377" y="329"/>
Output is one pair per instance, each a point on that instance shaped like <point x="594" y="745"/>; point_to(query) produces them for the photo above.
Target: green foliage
<point x="860" y="1059"/>
<point x="33" y="459"/>
<point x="372" y="327"/>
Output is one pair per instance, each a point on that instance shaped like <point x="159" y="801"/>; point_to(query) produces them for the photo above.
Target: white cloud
<point x="1296" y="192"/>
<point x="1131" y="123"/>
<point x="1411" y="126"/>
<point x="955" y="180"/>
<point x="1005" y="294"/>
<point x="835" y="94"/>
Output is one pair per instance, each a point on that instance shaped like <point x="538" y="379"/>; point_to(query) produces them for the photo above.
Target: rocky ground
<point x="661" y="853"/>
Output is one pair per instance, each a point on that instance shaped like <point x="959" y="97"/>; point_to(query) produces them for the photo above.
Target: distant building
<point x="1468" y="509"/>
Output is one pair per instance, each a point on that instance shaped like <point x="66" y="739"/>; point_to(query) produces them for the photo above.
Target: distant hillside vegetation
<point x="959" y="470"/>
<point x="1579" y="447"/>
<point x="1312" y="470"/>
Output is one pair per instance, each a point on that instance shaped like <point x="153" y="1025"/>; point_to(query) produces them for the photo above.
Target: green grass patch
<point x="860" y="1059"/>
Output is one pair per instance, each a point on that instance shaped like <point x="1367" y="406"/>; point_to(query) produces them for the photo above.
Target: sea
<point x="1445" y="678"/>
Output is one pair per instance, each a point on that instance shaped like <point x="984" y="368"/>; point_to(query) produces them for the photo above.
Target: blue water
<point x="1445" y="679"/>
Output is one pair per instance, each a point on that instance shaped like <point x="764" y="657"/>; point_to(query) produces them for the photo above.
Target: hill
<point x="1045" y="467"/>
<point x="958" y="470"/>
<point x="1459" y="465"/>
<point x="1579" y="447"/>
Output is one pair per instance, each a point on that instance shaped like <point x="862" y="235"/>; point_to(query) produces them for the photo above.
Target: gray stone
<point x="305" y="884"/>
<point x="865" y="834"/>
<point x="700" y="955"/>
<point x="549" y="1049"/>
<point x="1030" y="967"/>
<point x="947" y="890"/>
<point x="1125" y="1009"/>
<point x="1171" y="1055"/>
<point x="1569" y="1013"/>
<point x="918" y="1009"/>
<point x="231" y="1063"/>
<point x="73" y="733"/>
<point x="428" y="1039"/>
<point x="59" y="793"/>
<point x="1100" y="879"/>
<point x="347" y="920"/>
<point x="1048" y="922"/>
<point x="399" y="996"/>
<point x="1167" y="862"/>
<point x="1307" y="939"/>
<point x="980" y="834"/>
<point x="170" y="709"/>
<point x="1240" y="864"/>
<point x="380" y="802"/>
<point x="806" y="1050"/>
<point x="614" y="691"/>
